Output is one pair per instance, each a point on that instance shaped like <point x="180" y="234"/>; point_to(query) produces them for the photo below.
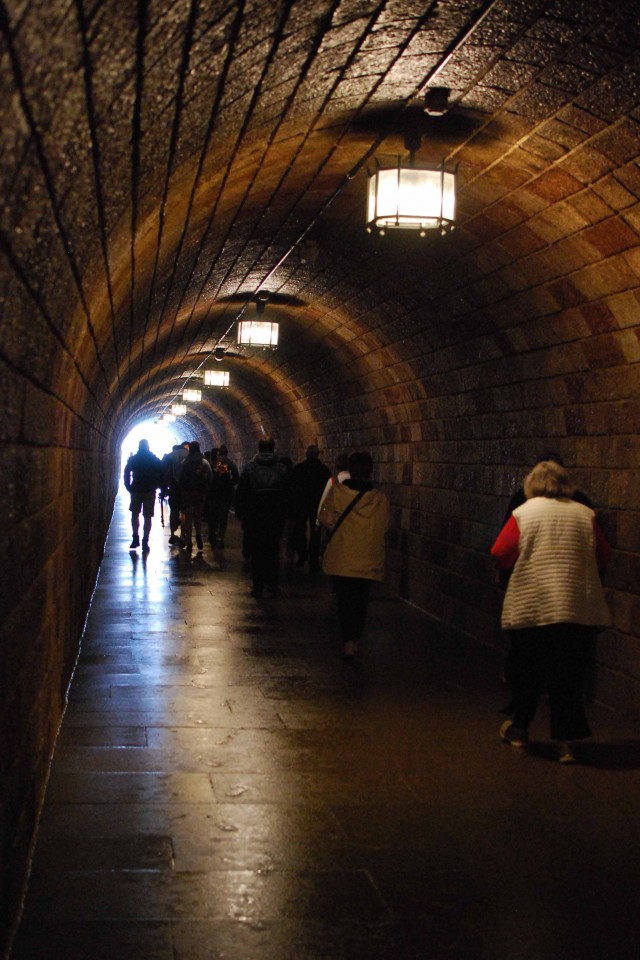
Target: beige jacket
<point x="357" y="549"/>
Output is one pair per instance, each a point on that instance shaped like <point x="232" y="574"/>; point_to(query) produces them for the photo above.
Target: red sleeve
<point x="603" y="547"/>
<point x="506" y="548"/>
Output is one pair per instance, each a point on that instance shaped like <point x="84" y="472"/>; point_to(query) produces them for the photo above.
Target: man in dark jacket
<point x="142" y="477"/>
<point x="261" y="505"/>
<point x="308" y="482"/>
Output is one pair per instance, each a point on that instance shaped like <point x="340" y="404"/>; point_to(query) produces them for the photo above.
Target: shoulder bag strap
<point x="345" y="513"/>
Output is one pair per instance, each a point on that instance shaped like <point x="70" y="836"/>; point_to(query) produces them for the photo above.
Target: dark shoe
<point x="145" y="546"/>
<point x="513" y="735"/>
<point x="189" y="548"/>
<point x="173" y="539"/>
<point x="199" y="543"/>
<point x="134" y="543"/>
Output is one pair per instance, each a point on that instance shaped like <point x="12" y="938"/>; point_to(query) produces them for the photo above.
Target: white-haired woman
<point x="553" y="606"/>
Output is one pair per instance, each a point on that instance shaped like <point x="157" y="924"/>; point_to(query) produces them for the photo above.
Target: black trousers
<point x="305" y="525"/>
<point x="555" y="656"/>
<point x="352" y="597"/>
<point x="263" y="544"/>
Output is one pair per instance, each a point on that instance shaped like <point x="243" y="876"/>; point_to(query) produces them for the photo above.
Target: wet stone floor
<point x="226" y="788"/>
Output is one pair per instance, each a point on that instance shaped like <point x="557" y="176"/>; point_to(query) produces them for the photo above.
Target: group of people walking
<point x="309" y="500"/>
<point x="551" y="551"/>
<point x="198" y="486"/>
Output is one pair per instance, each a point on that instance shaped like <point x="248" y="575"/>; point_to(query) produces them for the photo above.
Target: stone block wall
<point x="56" y="503"/>
<point x="160" y="164"/>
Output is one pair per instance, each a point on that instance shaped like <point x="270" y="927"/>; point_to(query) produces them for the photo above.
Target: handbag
<point x="347" y="510"/>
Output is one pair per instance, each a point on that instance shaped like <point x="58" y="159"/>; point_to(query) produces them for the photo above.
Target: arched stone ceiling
<point x="160" y="159"/>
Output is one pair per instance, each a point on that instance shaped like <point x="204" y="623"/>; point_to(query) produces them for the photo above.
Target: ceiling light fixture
<point x="216" y="378"/>
<point x="193" y="396"/>
<point x="258" y="333"/>
<point x="179" y="409"/>
<point x="411" y="196"/>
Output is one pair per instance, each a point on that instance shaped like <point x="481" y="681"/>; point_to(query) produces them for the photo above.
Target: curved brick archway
<point x="162" y="163"/>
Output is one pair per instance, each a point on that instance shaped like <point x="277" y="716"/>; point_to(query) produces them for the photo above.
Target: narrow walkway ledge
<point x="224" y="786"/>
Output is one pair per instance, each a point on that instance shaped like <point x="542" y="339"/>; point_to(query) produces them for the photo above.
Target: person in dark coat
<point x="142" y="477"/>
<point x="172" y="464"/>
<point x="225" y="480"/>
<point x="261" y="505"/>
<point x="308" y="482"/>
<point x="195" y="482"/>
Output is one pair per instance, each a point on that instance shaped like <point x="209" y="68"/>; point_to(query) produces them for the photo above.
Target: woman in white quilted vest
<point x="553" y="606"/>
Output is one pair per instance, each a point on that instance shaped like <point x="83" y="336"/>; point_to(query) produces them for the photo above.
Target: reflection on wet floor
<point x="225" y="787"/>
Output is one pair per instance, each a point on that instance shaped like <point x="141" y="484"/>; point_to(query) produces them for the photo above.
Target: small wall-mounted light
<point x="167" y="418"/>
<point x="192" y="396"/>
<point x="179" y="409"/>
<point x="258" y="333"/>
<point x="216" y="378"/>
<point x="412" y="198"/>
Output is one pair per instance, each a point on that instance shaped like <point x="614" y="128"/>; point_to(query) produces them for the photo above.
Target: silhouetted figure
<point x="553" y="605"/>
<point x="308" y="481"/>
<point x="261" y="505"/>
<point x="172" y="464"/>
<point x="142" y="477"/>
<point x="356" y="516"/>
<point x="195" y="481"/>
<point x="224" y="482"/>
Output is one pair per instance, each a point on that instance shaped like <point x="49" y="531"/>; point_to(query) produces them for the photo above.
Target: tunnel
<point x="172" y="168"/>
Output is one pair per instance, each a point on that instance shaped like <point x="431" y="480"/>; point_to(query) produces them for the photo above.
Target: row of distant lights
<point x="406" y="197"/>
<point x="251" y="333"/>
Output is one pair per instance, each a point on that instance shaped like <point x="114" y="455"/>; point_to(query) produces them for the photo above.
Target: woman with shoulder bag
<point x="356" y="517"/>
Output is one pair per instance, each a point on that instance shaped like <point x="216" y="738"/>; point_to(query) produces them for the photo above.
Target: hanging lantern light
<point x="258" y="333"/>
<point x="179" y="409"/>
<point x="412" y="198"/>
<point x="192" y="396"/>
<point x="216" y="378"/>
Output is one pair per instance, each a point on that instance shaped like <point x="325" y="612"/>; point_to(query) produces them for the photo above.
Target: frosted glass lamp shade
<point x="216" y="378"/>
<point x="414" y="198"/>
<point x="258" y="333"/>
<point x="192" y="396"/>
